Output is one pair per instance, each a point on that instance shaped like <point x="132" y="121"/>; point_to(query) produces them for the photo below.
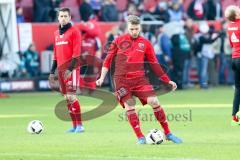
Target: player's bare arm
<point x="104" y="72"/>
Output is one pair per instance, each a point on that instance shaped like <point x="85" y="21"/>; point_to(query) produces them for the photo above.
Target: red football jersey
<point x="129" y="57"/>
<point x="67" y="46"/>
<point x="234" y="37"/>
<point x="89" y="45"/>
<point x="91" y="28"/>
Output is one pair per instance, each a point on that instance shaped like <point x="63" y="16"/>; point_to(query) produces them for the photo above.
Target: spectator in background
<point x="41" y="10"/>
<point x="214" y="9"/>
<point x="161" y="12"/>
<point x="54" y="7"/>
<point x="206" y="52"/>
<point x="109" y="11"/>
<point x="148" y="31"/>
<point x="32" y="60"/>
<point x="96" y="6"/>
<point x="22" y="71"/>
<point x="85" y="10"/>
<point x="189" y="32"/>
<point x="213" y="63"/>
<point x="175" y="11"/>
<point x="197" y="10"/>
<point x="181" y="50"/>
<point x="131" y="10"/>
<point x="20" y="17"/>
<point x="205" y="49"/>
<point x="163" y="47"/>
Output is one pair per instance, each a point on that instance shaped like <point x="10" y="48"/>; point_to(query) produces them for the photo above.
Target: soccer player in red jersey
<point x="67" y="48"/>
<point x="91" y="49"/>
<point x="128" y="52"/>
<point x="232" y="13"/>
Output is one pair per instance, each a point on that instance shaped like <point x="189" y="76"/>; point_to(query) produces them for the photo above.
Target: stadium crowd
<point x="165" y="10"/>
<point x="182" y="49"/>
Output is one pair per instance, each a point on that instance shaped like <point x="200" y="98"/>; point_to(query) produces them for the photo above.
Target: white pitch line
<point x="20" y="115"/>
<point x="204" y="105"/>
<point x="88" y="157"/>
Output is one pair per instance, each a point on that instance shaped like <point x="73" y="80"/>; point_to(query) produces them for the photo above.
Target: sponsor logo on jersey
<point x="233" y="28"/>
<point x="61" y="43"/>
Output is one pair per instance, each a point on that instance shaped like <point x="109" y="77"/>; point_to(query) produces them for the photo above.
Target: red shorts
<point x="126" y="88"/>
<point x="88" y="82"/>
<point x="71" y="84"/>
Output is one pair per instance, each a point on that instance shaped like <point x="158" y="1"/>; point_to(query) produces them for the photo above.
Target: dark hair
<point x="232" y="16"/>
<point x="65" y="9"/>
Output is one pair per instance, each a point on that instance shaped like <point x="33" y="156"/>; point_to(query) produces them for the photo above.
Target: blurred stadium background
<point x="26" y="39"/>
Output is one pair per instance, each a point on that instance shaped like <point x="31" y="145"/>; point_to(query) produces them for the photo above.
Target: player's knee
<point x="71" y="98"/>
<point x="153" y="101"/>
<point x="130" y="104"/>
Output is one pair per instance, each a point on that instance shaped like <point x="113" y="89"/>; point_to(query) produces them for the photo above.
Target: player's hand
<point x="173" y="84"/>
<point x="51" y="79"/>
<point x="67" y="74"/>
<point x="53" y="82"/>
<point x="99" y="82"/>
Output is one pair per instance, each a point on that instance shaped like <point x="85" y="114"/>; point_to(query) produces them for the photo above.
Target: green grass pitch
<point x="200" y="117"/>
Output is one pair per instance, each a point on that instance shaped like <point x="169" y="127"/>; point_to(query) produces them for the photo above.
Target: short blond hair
<point x="231" y="12"/>
<point x="132" y="19"/>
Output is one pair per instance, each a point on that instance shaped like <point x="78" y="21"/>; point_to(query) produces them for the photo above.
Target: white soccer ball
<point x="35" y="127"/>
<point x="155" y="136"/>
